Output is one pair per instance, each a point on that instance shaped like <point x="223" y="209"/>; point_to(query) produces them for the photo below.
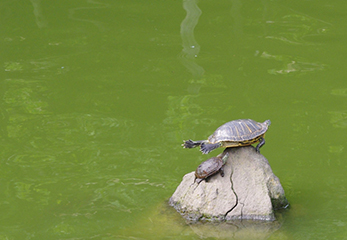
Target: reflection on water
<point x="92" y="5"/>
<point x="25" y="95"/>
<point x="191" y="48"/>
<point x="339" y="119"/>
<point x="293" y="64"/>
<point x="294" y="27"/>
<point x="238" y="18"/>
<point x="163" y="221"/>
<point x="339" y="92"/>
<point x="39" y="16"/>
<point x="182" y="110"/>
<point x="336" y="149"/>
<point x="237" y="229"/>
<point x="41" y="20"/>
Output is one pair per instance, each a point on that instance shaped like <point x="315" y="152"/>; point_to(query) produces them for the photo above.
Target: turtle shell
<point x="242" y="130"/>
<point x="209" y="167"/>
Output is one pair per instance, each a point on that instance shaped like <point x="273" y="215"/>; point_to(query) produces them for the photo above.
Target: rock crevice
<point x="236" y="197"/>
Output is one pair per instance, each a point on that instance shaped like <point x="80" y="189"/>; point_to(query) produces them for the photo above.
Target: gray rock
<point x="248" y="190"/>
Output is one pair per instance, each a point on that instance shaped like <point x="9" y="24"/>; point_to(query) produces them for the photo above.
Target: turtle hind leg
<point x="261" y="143"/>
<point x="208" y="147"/>
<point x="221" y="171"/>
<point x="192" y="144"/>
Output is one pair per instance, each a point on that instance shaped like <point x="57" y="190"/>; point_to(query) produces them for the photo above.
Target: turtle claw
<point x="204" y="149"/>
<point x="192" y="144"/>
<point x="188" y="144"/>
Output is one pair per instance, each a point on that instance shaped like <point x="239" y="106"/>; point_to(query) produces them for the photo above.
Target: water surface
<point x="97" y="96"/>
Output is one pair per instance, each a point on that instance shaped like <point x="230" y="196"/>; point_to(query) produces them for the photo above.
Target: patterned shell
<point x="239" y="131"/>
<point x="209" y="167"/>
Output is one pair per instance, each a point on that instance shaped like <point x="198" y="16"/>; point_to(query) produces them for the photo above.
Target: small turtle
<point x="209" y="167"/>
<point x="242" y="132"/>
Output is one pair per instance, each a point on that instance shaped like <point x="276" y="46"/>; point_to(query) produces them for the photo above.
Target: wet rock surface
<point x="248" y="190"/>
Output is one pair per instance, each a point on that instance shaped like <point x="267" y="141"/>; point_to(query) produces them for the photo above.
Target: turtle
<point x="237" y="133"/>
<point x="210" y="167"/>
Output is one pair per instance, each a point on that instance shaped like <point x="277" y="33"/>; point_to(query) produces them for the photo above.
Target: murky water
<point x="97" y="96"/>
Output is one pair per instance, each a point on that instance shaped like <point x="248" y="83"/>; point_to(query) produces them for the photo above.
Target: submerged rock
<point x="248" y="190"/>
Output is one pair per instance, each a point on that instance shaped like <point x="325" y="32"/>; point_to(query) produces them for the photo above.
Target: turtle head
<point x="225" y="158"/>
<point x="267" y="122"/>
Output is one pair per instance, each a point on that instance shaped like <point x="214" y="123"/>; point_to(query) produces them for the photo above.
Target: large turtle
<point x="210" y="167"/>
<point x="242" y="132"/>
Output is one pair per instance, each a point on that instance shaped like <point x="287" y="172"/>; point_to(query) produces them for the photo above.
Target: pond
<point x="97" y="97"/>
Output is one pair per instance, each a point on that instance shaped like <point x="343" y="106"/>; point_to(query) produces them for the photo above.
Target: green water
<point x="97" y="96"/>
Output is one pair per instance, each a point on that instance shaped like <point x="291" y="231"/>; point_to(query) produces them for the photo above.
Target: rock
<point x="248" y="190"/>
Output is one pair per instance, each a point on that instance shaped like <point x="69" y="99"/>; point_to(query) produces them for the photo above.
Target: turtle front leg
<point x="192" y="144"/>
<point x="208" y="147"/>
<point x="261" y="143"/>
